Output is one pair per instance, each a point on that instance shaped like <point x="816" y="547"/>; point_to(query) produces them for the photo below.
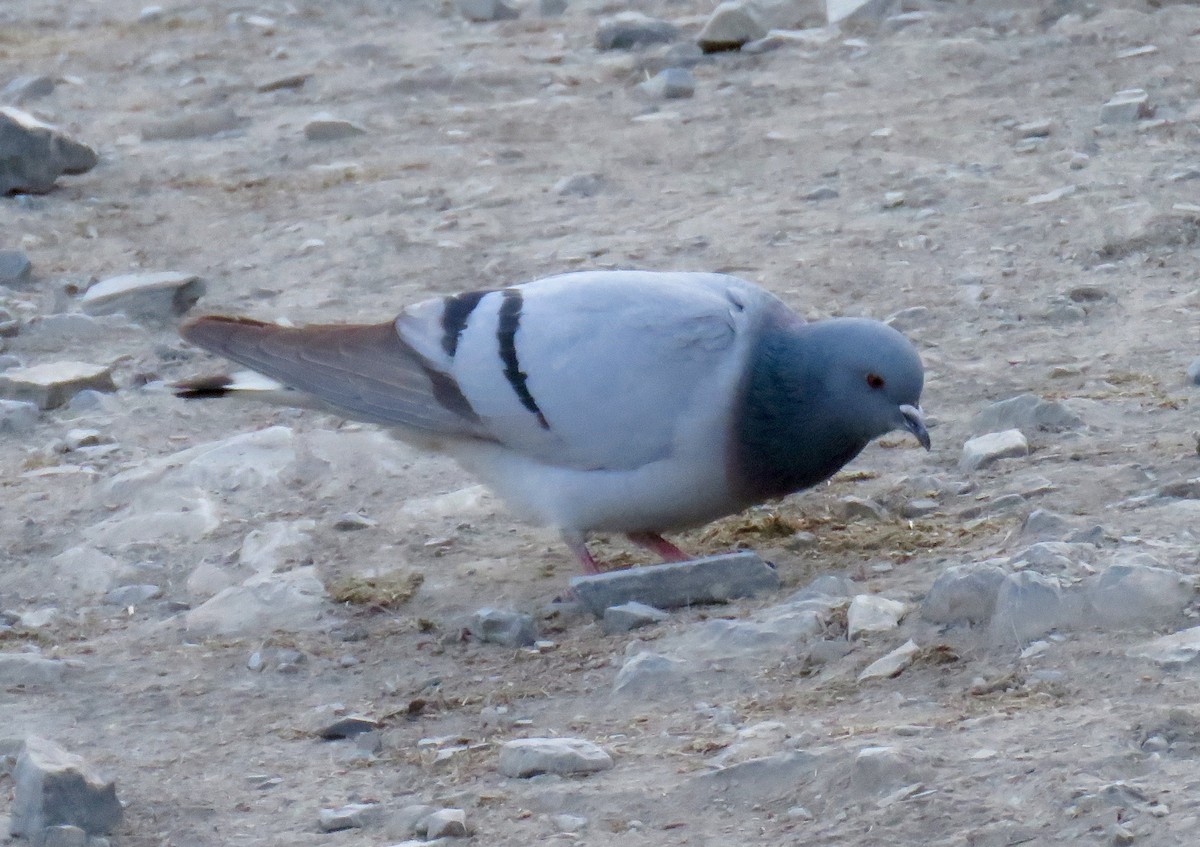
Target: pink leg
<point x="657" y="544"/>
<point x="579" y="547"/>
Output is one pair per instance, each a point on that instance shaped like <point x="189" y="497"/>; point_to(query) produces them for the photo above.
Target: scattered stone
<point x="1139" y="595"/>
<point x="17" y="416"/>
<point x="878" y="771"/>
<point x="528" y="757"/>
<point x="894" y="199"/>
<point x="53" y="787"/>
<point x="1182" y="489"/>
<point x="64" y="836"/>
<point x="1035" y="129"/>
<point x="325" y="127"/>
<point x="650" y="675"/>
<point x="872" y="613"/>
<point x="1051" y="196"/>
<point x="34" y="154"/>
<point x="986" y="450"/>
<point x="714" y="579"/>
<point x="132" y="595"/>
<point x="151" y="14"/>
<point x="352" y="521"/>
<point x="482" y="11"/>
<point x="1028" y="413"/>
<point x="30" y="669"/>
<point x="200" y="124"/>
<point x="906" y="320"/>
<point x="628" y="616"/>
<point x="579" y="185"/>
<point x="290" y="82"/>
<point x="629" y="30"/>
<point x="1045" y="524"/>
<point x="154" y="296"/>
<point x="51" y="385"/>
<point x="841" y="11"/>
<point x="669" y="84"/>
<point x="1193" y="372"/>
<point x="823" y="192"/>
<point x="892" y="664"/>
<point x="347" y="727"/>
<point x="963" y="594"/>
<point x="1126" y="107"/>
<point x="920" y="507"/>
<point x="1174" y="650"/>
<point x="409" y="820"/>
<point x="446" y="823"/>
<point x="289" y="601"/>
<point x="731" y="25"/>
<point x="352" y="816"/>
<point x="568" y="823"/>
<point x="825" y="587"/>
<point x="756" y="781"/>
<point x="15" y="267"/>
<point x="1028" y="605"/>
<point x="852" y="508"/>
<point x="22" y="88"/>
<point x="496" y="626"/>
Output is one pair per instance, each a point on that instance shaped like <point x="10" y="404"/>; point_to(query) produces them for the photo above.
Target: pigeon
<point x="636" y="402"/>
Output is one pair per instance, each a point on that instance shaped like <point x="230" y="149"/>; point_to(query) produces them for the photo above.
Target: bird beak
<point x="915" y="423"/>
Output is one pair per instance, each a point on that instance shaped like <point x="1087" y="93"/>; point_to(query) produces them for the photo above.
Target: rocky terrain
<point x="989" y="644"/>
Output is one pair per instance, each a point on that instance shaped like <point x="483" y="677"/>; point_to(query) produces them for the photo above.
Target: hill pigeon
<point x="621" y="401"/>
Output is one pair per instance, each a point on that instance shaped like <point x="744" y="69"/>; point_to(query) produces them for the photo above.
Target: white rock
<point x="157" y="296"/>
<point x="290" y="601"/>
<point x="527" y="757"/>
<point x="277" y="544"/>
<point x="892" y="664"/>
<point x="1126" y="107"/>
<point x="985" y="450"/>
<point x="837" y="11"/>
<point x="446" y="823"/>
<point x="1178" y="648"/>
<point x="872" y="613"/>
<point x="51" y="385"/>
<point x="651" y="675"/>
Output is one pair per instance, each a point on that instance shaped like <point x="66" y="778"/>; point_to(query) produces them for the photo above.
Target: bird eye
<point x="875" y="380"/>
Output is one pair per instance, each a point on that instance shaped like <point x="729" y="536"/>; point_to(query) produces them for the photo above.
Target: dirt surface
<point x="1087" y="294"/>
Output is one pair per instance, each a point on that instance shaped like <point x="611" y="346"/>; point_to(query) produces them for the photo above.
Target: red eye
<point x="875" y="381"/>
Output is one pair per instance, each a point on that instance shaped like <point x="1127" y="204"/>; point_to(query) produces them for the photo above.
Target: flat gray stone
<point x="528" y="757"/>
<point x="1028" y="605"/>
<point x="669" y="84"/>
<point x="630" y="30"/>
<point x="1174" y="650"/>
<point x="132" y="595"/>
<point x="15" y="267"/>
<point x="30" y="669"/>
<point x="53" y="787"/>
<point x="1126" y="107"/>
<point x="627" y="616"/>
<point x="715" y="579"/>
<point x="203" y="123"/>
<point x="22" y="88"/>
<point x="579" y="185"/>
<point x="872" y="613"/>
<point x="34" y="154"/>
<point x="840" y="11"/>
<point x="51" y="385"/>
<point x="1193" y="372"/>
<point x="731" y="25"/>
<point x="651" y="676"/>
<point x="325" y="127"/>
<point x="1028" y="413"/>
<point x="17" y="416"/>
<point x="755" y="781"/>
<point x="157" y="296"/>
<point x="446" y="823"/>
<point x="498" y="626"/>
<point x="963" y="594"/>
<point x="352" y="816"/>
<point x="1136" y="595"/>
<point x="482" y="11"/>
<point x="986" y="450"/>
<point x="64" y="836"/>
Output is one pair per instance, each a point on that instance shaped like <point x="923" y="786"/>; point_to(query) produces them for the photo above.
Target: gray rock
<point x="351" y="816"/>
<point x="446" y="823"/>
<point x="714" y="579"/>
<point x="132" y="595"/>
<point x="579" y="185"/>
<point x="963" y="594"/>
<point x="780" y="630"/>
<point x="986" y="450"/>
<point x="325" y="127"/>
<point x="920" y="507"/>
<point x="1138" y="595"/>
<point x="22" y="88"/>
<point x="352" y="521"/>
<point x="852" y="508"/>
<point x="496" y="626"/>
<point x="568" y="823"/>
<point x="821" y="192"/>
<point x="1028" y="413"/>
<point x="892" y="664"/>
<point x="1174" y="650"/>
<point x="528" y="757"/>
<point x="53" y="787"/>
<point x="826" y="586"/>
<point x="15" y="267"/>
<point x="1045" y="524"/>
<point x="204" y="123"/>
<point x="1193" y="372"/>
<point x="878" y="771"/>
<point x="552" y="8"/>
<point x="1028" y="605"/>
<point x="30" y="669"/>
<point x="650" y="675"/>
<point x="731" y="25"/>
<point x="17" y="416"/>
<point x="872" y="613"/>
<point x="669" y="84"/>
<point x="629" y="30"/>
<point x="290" y="82"/>
<point x="912" y="318"/>
<point x="753" y="782"/>
<point x="1181" y="489"/>
<point x="33" y="154"/>
<point x="51" y="385"/>
<point x="64" y="835"/>
<point x="627" y="616"/>
<point x="289" y="601"/>
<point x="843" y="11"/>
<point x="482" y="11"/>
<point x="408" y="820"/>
<point x="347" y="727"/>
<point x="1126" y="107"/>
<point x="154" y="296"/>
